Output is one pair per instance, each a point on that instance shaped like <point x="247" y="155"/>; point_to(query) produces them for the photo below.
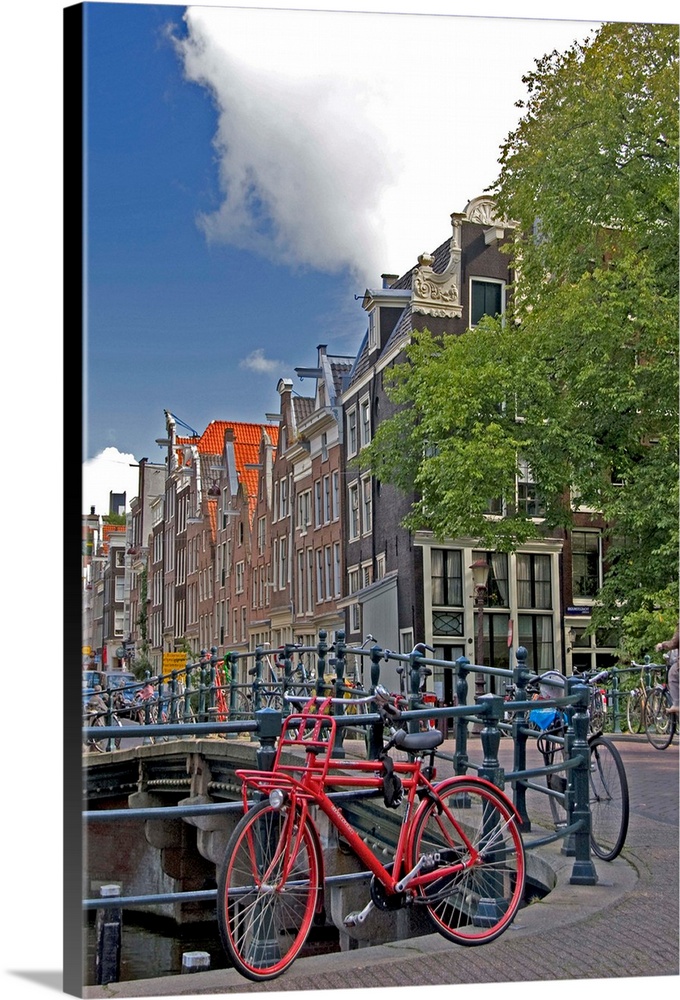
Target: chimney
<point x="388" y="279"/>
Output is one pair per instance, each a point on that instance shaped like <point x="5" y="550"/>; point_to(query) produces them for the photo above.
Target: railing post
<point x="212" y="693"/>
<point x="491" y="738"/>
<point x="583" y="872"/>
<point x="203" y="685"/>
<point x="321" y="653"/>
<point x="257" y="683"/>
<point x="375" y="734"/>
<point x="187" y="693"/>
<point x="268" y="731"/>
<point x="414" y="697"/>
<point x="521" y="675"/>
<point x="287" y="676"/>
<point x="172" y="707"/>
<point x="461" y="754"/>
<point x="338" y="709"/>
<point x="109" y="925"/>
<point x="231" y="674"/>
<point x="616" y="699"/>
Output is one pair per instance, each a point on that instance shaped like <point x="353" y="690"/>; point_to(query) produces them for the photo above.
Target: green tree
<point x="580" y="378"/>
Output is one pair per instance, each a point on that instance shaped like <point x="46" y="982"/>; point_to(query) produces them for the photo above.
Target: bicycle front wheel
<point x="472" y="826"/>
<point x="659" y="725"/>
<point x="268" y="890"/>
<point x="609" y="801"/>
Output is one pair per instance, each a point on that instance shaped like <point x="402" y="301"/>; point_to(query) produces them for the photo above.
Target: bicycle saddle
<point x="428" y="740"/>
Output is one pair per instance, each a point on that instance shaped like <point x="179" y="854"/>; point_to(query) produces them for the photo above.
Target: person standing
<point x="671" y="646"/>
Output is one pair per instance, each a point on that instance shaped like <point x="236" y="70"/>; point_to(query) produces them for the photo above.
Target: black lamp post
<point x="480" y="575"/>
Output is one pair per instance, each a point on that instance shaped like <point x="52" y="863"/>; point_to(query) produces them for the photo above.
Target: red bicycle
<point x="459" y="851"/>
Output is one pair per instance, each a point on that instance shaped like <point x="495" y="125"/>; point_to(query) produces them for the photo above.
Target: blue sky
<point x="38" y="379"/>
<point x="250" y="173"/>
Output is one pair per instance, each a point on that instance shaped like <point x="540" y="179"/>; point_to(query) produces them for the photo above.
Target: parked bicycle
<point x="459" y="852"/>
<point x="660" y="724"/>
<point x="608" y="786"/>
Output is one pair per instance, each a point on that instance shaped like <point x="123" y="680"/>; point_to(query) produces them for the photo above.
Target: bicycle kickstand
<point x="358" y="916"/>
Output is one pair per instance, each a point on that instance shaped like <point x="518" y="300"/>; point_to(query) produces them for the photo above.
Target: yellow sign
<point x="87" y="651"/>
<point x="174" y="661"/>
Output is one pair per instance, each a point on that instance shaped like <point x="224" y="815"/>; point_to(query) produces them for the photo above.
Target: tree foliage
<point x="580" y="378"/>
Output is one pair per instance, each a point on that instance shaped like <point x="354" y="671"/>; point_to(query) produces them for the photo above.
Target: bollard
<point x="195" y="961"/>
<point x="414" y="698"/>
<point x="109" y="930"/>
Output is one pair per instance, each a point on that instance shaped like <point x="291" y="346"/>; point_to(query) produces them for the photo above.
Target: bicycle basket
<point x="552" y="684"/>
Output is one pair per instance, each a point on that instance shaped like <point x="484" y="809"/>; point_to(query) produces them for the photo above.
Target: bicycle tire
<point x="659" y="725"/>
<point x="475" y="824"/>
<point x="634" y="714"/>
<point x="596" y="712"/>
<point x="609" y="800"/>
<point x="262" y="927"/>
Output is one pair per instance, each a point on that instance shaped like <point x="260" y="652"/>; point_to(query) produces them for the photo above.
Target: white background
<point x="33" y="335"/>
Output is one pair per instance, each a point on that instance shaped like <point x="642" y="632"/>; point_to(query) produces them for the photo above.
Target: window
<point x="533" y="580"/>
<point x="120" y="589"/>
<point x="497" y="586"/>
<point x="354" y="609"/>
<point x="319" y="576"/>
<point x="528" y="499"/>
<point x="317" y="503"/>
<point x="304" y="510"/>
<point x="486" y="299"/>
<point x="324" y="447"/>
<point x="380" y="566"/>
<point x="366" y="499"/>
<point x="309" y="582"/>
<point x="283" y="563"/>
<point x="336" y="495"/>
<point x="535" y="632"/>
<point x="336" y="568"/>
<point x="352" y="432"/>
<point x="353" y="511"/>
<point x="120" y="558"/>
<point x="240" y="567"/>
<point x="326" y="499"/>
<point x="366" y="574"/>
<point x="372" y="329"/>
<point x="585" y="563"/>
<point x="365" y="411"/>
<point x="283" y="499"/>
<point x="447" y="578"/>
<point x="261" y="534"/>
<point x="328" y="561"/>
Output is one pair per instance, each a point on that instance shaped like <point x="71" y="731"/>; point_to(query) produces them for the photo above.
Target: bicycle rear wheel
<point x="473" y="825"/>
<point x="269" y="889"/>
<point x="634" y="711"/>
<point x="659" y="725"/>
<point x="596" y="712"/>
<point x="609" y="800"/>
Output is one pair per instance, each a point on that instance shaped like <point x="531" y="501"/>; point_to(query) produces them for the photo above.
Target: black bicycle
<point x="608" y="786"/>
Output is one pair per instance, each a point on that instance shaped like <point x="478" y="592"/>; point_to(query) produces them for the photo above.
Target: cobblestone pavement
<point x="624" y="926"/>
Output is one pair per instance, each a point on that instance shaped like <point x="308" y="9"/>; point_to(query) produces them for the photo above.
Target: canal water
<point x="154" y="948"/>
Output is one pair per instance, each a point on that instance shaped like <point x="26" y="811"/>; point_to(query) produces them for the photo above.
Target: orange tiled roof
<point x="247" y="439"/>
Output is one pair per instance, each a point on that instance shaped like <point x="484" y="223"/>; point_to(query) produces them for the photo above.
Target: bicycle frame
<point x="304" y="784"/>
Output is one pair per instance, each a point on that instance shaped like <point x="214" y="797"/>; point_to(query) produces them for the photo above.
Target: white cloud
<point x="256" y="362"/>
<point x="345" y="140"/>
<point x="111" y="471"/>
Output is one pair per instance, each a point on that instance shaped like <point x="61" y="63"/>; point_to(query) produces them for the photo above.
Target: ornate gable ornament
<point x="438" y="293"/>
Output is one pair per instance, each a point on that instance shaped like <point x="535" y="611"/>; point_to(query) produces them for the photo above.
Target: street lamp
<point x="480" y="575"/>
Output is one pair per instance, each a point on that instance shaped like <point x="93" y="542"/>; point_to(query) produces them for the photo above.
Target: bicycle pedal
<point x="357" y="917"/>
